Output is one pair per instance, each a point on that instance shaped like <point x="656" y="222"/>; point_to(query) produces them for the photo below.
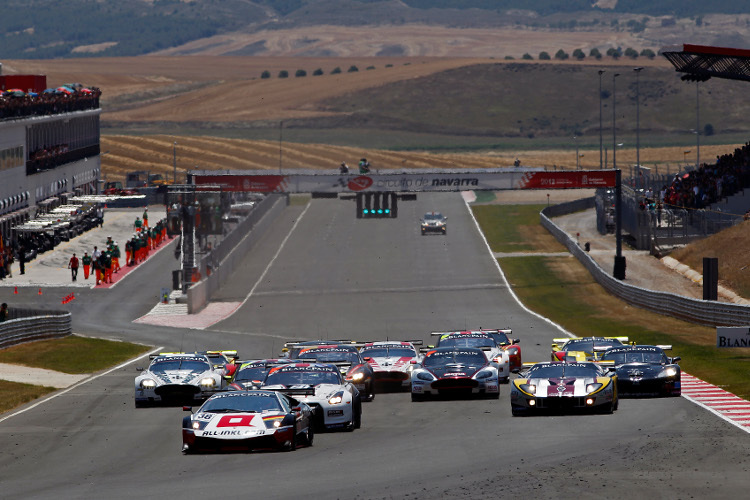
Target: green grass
<point x="484" y="196"/>
<point x="13" y="394"/>
<point x="72" y="354"/>
<point x="514" y="228"/>
<point x="576" y="302"/>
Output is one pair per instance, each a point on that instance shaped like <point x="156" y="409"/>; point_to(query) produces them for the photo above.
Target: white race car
<point x="336" y="402"/>
<point x="480" y="339"/>
<point x="177" y="379"/>
<point x="454" y="371"/>
<point x="391" y="361"/>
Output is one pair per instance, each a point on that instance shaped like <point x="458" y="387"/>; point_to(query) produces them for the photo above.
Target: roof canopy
<point x="701" y="62"/>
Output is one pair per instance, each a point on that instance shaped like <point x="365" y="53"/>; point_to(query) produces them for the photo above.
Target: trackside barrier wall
<point x="712" y="313"/>
<point x="26" y="325"/>
<point x="228" y="255"/>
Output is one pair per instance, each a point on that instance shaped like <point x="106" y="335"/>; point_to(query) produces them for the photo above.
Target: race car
<point x="223" y="360"/>
<point x="564" y="386"/>
<point x="584" y="348"/>
<point x="481" y="339"/>
<point x="645" y="370"/>
<point x="454" y="371"/>
<point x="292" y="348"/>
<point x="391" y="361"/>
<point x="177" y="378"/>
<point x="347" y="357"/>
<point x="503" y="339"/>
<point x="251" y="374"/>
<point x="336" y="402"/>
<point x="247" y="420"/>
<point x="434" y="222"/>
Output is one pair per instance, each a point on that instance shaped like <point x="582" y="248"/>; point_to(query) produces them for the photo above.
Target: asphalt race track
<point x="334" y="276"/>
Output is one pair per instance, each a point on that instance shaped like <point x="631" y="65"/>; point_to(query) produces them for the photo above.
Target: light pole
<point x="637" y="118"/>
<point x="174" y="162"/>
<point x="578" y="164"/>
<point x="601" y="144"/>
<point x="697" y="126"/>
<point x="614" y="122"/>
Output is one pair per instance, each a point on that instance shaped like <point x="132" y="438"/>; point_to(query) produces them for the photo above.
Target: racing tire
<point x="292" y="446"/>
<point x="309" y="435"/>
<point x="607" y="409"/>
<point x="370" y="393"/>
<point x="505" y="380"/>
<point x="493" y="395"/>
<point x="517" y="412"/>
<point x="417" y="398"/>
<point x="141" y="404"/>
<point x="356" y="422"/>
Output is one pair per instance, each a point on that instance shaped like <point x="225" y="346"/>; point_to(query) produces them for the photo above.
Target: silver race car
<point x="481" y="339"/>
<point x="336" y="402"/>
<point x="434" y="222"/>
<point x="177" y="378"/>
<point x="247" y="420"/>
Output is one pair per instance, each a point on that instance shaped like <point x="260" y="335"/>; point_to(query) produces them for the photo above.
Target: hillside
<point x="83" y="28"/>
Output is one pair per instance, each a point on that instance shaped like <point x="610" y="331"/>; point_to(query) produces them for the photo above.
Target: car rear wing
<point x="665" y="347"/>
<point x="308" y="391"/>
<point x="412" y="342"/>
<point x="506" y="331"/>
<point x="230" y="354"/>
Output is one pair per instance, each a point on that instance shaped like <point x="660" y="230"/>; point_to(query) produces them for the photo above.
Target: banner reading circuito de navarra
<point x="428" y="181"/>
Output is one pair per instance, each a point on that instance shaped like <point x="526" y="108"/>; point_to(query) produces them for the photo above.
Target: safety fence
<point x="26" y="325"/>
<point x="706" y="312"/>
<point x="220" y="265"/>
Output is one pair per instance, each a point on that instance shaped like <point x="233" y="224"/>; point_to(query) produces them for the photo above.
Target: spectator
<point x="3" y="311"/>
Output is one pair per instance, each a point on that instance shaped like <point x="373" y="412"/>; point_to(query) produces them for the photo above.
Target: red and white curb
<point x="721" y="403"/>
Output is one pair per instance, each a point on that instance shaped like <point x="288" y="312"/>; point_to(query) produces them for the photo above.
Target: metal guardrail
<point x="706" y="312"/>
<point x="26" y="325"/>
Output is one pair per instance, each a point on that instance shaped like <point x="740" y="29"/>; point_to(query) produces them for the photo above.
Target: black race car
<point x="644" y="370"/>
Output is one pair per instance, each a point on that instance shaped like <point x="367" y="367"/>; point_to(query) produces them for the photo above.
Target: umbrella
<point x="64" y="90"/>
<point x="15" y="93"/>
<point x="85" y="91"/>
<point x="50" y="91"/>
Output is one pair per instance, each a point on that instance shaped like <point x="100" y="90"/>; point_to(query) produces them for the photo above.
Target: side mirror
<point x="367" y="358"/>
<point x="612" y="369"/>
<point x="413" y="362"/>
<point x="516" y="370"/>
<point x="516" y="341"/>
<point x="139" y="369"/>
<point x="297" y="408"/>
<point x="676" y="359"/>
<point x="187" y="408"/>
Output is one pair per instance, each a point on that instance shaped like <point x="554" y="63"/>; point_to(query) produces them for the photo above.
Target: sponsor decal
<point x="235" y="421"/>
<point x="456" y="182"/>
<point x="222" y="433"/>
<point x="360" y="183"/>
<point x="733" y="336"/>
<point x="335" y="413"/>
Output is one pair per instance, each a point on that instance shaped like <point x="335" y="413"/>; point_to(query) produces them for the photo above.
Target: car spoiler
<point x="229" y="353"/>
<point x="506" y="331"/>
<point x="665" y="347"/>
<point x="412" y="342"/>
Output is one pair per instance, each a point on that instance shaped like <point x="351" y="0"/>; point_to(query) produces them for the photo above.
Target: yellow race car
<point x="584" y="348"/>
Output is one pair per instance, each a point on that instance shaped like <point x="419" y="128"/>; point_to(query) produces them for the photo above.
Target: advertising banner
<point x="733" y="336"/>
<point x="407" y="182"/>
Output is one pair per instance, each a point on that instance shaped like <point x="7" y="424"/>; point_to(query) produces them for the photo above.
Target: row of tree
<point x="301" y="72"/>
<point x="612" y="52"/>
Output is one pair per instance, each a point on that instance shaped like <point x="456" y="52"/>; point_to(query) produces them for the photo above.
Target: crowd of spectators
<point x="48" y="103"/>
<point x="46" y="158"/>
<point x="709" y="183"/>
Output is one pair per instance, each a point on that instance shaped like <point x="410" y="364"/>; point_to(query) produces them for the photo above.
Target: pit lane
<point x="364" y="279"/>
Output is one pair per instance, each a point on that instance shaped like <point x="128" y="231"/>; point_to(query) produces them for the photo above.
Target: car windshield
<point x="559" y="370"/>
<point x="193" y="365"/>
<point x="323" y="356"/>
<point x="289" y="378"/>
<point x="252" y="402"/>
<point x="433" y="216"/>
<point x="385" y="352"/>
<point x="467" y="341"/>
<point x="587" y="345"/>
<point x="500" y="338"/>
<point x="252" y="373"/>
<point x="471" y="358"/>
<point x="635" y="356"/>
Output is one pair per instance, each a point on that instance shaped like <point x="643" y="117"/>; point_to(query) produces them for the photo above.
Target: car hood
<point x="562" y="386"/>
<point x="390" y="363"/>
<point x="454" y="370"/>
<point x="180" y="376"/>
<point x="640" y="369"/>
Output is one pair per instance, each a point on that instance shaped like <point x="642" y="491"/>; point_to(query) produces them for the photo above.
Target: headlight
<point x="208" y="382"/>
<point x="148" y="383"/>
<point x="273" y="423"/>
<point x="483" y="374"/>
<point x="512" y="351"/>
<point x="356" y="377"/>
<point x="425" y="376"/>
<point x="593" y="387"/>
<point x="199" y="425"/>
<point x="528" y="388"/>
<point x="670" y="372"/>
<point x="336" y="399"/>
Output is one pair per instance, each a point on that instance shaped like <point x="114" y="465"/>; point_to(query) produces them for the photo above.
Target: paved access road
<point x="320" y="272"/>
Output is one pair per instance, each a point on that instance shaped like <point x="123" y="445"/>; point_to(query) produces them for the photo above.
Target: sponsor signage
<point x="733" y="336"/>
<point x="406" y="182"/>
